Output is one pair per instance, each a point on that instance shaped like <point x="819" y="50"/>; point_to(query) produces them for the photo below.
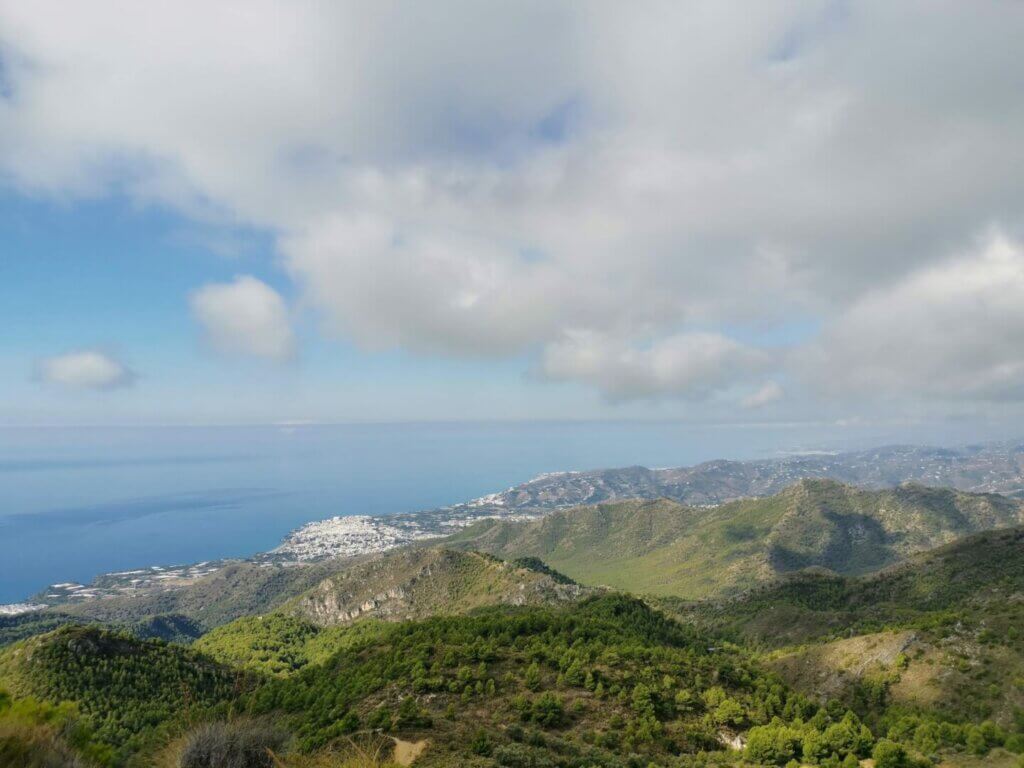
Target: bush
<point x="518" y="756"/>
<point x="848" y="736"/>
<point x="775" y="744"/>
<point x="1015" y="743"/>
<point x="238" y="744"/>
<point x="548" y="710"/>
<point x="889" y="754"/>
<point x="481" y="744"/>
<point x="411" y="715"/>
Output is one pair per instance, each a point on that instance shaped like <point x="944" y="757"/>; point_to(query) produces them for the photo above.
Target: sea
<point x="78" y="502"/>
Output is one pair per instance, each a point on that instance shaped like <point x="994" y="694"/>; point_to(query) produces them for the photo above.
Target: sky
<point x="718" y="212"/>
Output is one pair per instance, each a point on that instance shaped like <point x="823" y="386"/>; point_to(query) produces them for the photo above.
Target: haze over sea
<point x="78" y="502"/>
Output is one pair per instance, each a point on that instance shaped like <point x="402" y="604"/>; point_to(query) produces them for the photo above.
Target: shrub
<point x="889" y="754"/>
<point x="481" y="744"/>
<point x="238" y="744"/>
<point x="775" y="744"/>
<point x="548" y="710"/>
<point x="518" y="756"/>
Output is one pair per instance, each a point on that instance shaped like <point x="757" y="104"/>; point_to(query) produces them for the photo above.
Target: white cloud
<point x="950" y="330"/>
<point x="85" y="369"/>
<point x="693" y="365"/>
<point x="245" y="317"/>
<point x="767" y="393"/>
<point x="461" y="179"/>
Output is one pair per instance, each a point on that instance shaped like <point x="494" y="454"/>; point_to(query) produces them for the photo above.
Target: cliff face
<point x="413" y="583"/>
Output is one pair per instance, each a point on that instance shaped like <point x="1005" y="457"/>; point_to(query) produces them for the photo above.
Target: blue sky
<point x="114" y="276"/>
<point x="326" y="212"/>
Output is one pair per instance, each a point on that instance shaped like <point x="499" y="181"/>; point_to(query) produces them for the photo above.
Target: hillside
<point x="414" y="583"/>
<point x="122" y="686"/>
<point x="182" y="612"/>
<point x="938" y="633"/>
<point x="606" y="682"/>
<point x="980" y="575"/>
<point x="396" y="586"/>
<point x="663" y="548"/>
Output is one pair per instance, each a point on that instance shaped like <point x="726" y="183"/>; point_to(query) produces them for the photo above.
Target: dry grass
<point x="34" y="746"/>
<point x="215" y="745"/>
<point x="370" y="753"/>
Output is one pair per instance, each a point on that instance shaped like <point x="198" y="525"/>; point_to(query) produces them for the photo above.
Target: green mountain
<point x="395" y="586"/>
<point x="415" y="583"/>
<point x="937" y="636"/>
<point x="981" y="576"/>
<point x="603" y="681"/>
<point x="664" y="548"/>
<point x="831" y="636"/>
<point x="124" y="688"/>
<point x="599" y="682"/>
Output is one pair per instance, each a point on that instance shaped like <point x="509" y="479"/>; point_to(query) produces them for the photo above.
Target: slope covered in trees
<point x="664" y="548"/>
<point x="126" y="689"/>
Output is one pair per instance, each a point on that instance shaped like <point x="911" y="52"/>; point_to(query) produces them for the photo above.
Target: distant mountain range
<point x="989" y="468"/>
<point x="649" y="547"/>
<point x="662" y="547"/>
<point x="826" y="622"/>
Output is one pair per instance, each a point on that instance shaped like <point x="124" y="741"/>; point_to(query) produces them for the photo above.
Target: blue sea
<point x="78" y="502"/>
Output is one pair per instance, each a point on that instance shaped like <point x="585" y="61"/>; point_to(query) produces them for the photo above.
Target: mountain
<point x="121" y="685"/>
<point x="981" y="576"/>
<point x="401" y="583"/>
<point x="182" y="612"/>
<point x="939" y="633"/>
<point x="605" y="680"/>
<point x="593" y="682"/>
<point x="992" y="468"/>
<point x="661" y="547"/>
<point x="414" y="583"/>
<point x="398" y="586"/>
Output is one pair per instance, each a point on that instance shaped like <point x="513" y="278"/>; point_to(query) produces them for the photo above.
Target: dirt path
<point x="407" y="751"/>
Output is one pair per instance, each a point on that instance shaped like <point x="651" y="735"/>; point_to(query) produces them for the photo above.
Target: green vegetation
<point x="280" y="644"/>
<point x="667" y="549"/>
<point x="124" y="688"/>
<point x="929" y="652"/>
<point x="973" y="580"/>
<point x="172" y="627"/>
<point x="606" y="682"/>
<point x="419" y="582"/>
<point x="35" y="734"/>
<point x="594" y="682"/>
<point x="458" y="658"/>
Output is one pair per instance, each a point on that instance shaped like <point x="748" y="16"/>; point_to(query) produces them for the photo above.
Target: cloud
<point x="644" y="173"/>
<point x="769" y="392"/>
<point x="245" y="317"/>
<point x="85" y="369"/>
<point x="692" y="366"/>
<point x="952" y="330"/>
